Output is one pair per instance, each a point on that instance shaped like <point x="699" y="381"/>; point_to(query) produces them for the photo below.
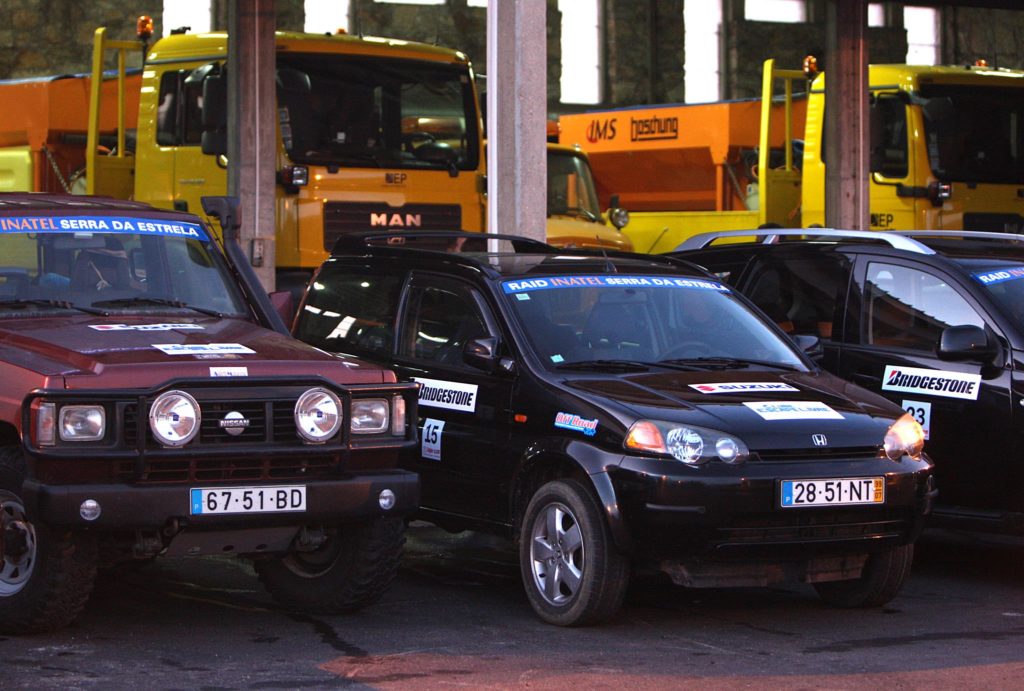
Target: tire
<point x="572" y="572"/>
<point x="350" y="571"/>
<point x="46" y="574"/>
<point x="884" y="574"/>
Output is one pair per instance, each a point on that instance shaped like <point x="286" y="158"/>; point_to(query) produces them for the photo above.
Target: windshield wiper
<point x="606" y="365"/>
<point x="727" y="363"/>
<point x="575" y="211"/>
<point x="143" y="300"/>
<point x="47" y="302"/>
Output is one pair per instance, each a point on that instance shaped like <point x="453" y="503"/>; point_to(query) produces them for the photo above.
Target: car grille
<point x="794" y="527"/>
<point x="818" y="453"/>
<point x="355" y="217"/>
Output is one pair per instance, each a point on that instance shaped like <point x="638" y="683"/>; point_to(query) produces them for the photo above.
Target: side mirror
<point x="284" y="305"/>
<point x="966" y="342"/>
<point x="810" y="344"/>
<point x="481" y="353"/>
<point x="215" y="115"/>
<point x="440" y="154"/>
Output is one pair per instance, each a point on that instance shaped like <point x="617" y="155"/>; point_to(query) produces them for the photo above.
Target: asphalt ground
<point x="457" y="617"/>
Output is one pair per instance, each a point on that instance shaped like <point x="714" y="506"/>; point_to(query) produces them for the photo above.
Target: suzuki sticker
<point x="203" y="348"/>
<point x="793" y="410"/>
<point x="145" y="327"/>
<point x="229" y="371"/>
<point x="931" y="382"/>
<point x="451" y="395"/>
<point x="430" y="446"/>
<point x="743" y="387"/>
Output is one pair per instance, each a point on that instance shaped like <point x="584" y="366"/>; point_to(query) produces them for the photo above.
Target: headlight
<point x="174" y="418"/>
<point x="46" y="418"/>
<point x="82" y="423"/>
<point x="369" y="415"/>
<point x="397" y="416"/>
<point x="686" y="443"/>
<point x="905" y="437"/>
<point x="317" y="415"/>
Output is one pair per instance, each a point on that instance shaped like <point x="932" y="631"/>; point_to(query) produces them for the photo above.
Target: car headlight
<point x="174" y="418"/>
<point x="369" y="415"/>
<point x="905" y="437"/>
<point x="317" y="415"/>
<point x="687" y="443"/>
<point x="82" y="422"/>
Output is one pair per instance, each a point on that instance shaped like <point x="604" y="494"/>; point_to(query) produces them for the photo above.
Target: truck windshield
<point x="975" y="134"/>
<point x="368" y="112"/>
<point x="643" y="320"/>
<point x="571" y="190"/>
<point x="110" y="272"/>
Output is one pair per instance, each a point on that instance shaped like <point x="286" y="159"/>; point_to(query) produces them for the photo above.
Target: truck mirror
<point x="966" y="342"/>
<point x="876" y="129"/>
<point x="481" y="353"/>
<point x="215" y="115"/>
<point x="439" y="153"/>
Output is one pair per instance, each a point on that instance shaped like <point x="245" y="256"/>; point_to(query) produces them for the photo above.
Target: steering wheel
<point x="410" y="139"/>
<point x="687" y="349"/>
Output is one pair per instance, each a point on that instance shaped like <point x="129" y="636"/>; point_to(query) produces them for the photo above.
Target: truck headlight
<point x="174" y="418"/>
<point x="82" y="423"/>
<point x="317" y="415"/>
<point x="686" y="443"/>
<point x="904" y="437"/>
<point x="369" y="415"/>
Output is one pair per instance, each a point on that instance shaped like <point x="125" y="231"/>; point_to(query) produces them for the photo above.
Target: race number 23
<point x="920" y="411"/>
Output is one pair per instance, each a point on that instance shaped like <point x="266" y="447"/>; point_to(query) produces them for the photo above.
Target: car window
<point x="440" y="320"/>
<point x="909" y="308"/>
<point x="800" y="294"/>
<point x="351" y="311"/>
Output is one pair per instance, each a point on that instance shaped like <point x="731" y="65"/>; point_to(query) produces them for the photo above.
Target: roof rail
<point x="362" y="240"/>
<point x="966" y="234"/>
<point x="771" y="236"/>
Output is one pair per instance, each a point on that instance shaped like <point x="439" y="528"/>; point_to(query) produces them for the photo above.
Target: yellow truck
<point x="947" y="152"/>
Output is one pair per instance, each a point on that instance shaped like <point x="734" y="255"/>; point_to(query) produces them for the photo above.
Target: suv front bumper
<point x="147" y="507"/>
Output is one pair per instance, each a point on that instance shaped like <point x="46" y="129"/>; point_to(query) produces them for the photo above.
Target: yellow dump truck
<point x="947" y="152"/>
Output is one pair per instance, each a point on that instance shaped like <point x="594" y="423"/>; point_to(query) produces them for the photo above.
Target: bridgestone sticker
<point x="203" y="348"/>
<point x="576" y="423"/>
<point x="793" y="410"/>
<point x="451" y="395"/>
<point x="146" y="327"/>
<point x="931" y="382"/>
<point x="743" y="387"/>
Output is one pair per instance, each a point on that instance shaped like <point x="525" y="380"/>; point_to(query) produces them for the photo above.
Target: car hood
<point x="142" y="351"/>
<point x="767" y="410"/>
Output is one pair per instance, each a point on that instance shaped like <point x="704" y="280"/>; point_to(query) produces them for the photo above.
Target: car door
<point x="464" y="412"/>
<point x="964" y="406"/>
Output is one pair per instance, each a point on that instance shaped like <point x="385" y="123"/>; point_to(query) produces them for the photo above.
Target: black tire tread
<point x="65" y="569"/>
<point x="374" y="553"/>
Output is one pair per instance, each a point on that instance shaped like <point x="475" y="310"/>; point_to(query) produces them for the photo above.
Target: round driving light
<point x="174" y="418"/>
<point x="727" y="449"/>
<point x="685" y="444"/>
<point x="90" y="510"/>
<point x="317" y="415"/>
<point x="386" y="499"/>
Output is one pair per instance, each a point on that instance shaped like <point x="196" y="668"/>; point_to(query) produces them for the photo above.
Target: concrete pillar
<point x="847" y="136"/>
<point x="517" y="118"/>
<point x="252" y="150"/>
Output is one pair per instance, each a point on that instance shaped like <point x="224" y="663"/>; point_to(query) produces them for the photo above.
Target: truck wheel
<point x="572" y="572"/>
<point x="348" y="572"/>
<point x="46" y="575"/>
<point x="883" y="576"/>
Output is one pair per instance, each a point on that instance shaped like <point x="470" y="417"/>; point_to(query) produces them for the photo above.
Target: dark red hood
<point x="122" y="351"/>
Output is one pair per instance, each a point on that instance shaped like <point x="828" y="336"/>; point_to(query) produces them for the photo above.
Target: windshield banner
<point x="987" y="278"/>
<point x="613" y="281"/>
<point x="100" y="224"/>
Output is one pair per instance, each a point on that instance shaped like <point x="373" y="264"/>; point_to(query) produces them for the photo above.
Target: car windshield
<point x="368" y="112"/>
<point x="109" y="264"/>
<point x="1004" y="281"/>
<point x="975" y="134"/>
<point x="628" y="320"/>
<point x="571" y="190"/>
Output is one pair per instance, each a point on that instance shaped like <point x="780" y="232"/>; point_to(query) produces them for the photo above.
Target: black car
<point x="933" y="321"/>
<point x="618" y="411"/>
